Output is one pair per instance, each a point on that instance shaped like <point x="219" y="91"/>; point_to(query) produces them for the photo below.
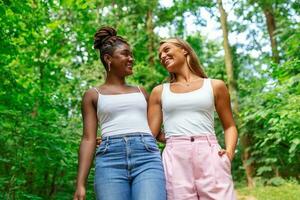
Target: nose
<point x="131" y="59"/>
<point x="162" y="56"/>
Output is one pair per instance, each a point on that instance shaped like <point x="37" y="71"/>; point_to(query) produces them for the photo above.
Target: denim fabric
<point x="129" y="167"/>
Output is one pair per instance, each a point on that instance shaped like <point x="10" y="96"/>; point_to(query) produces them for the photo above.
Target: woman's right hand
<point x="161" y="137"/>
<point x="98" y="141"/>
<point x="80" y="193"/>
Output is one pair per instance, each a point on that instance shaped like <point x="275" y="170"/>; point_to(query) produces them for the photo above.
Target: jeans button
<point x="192" y="139"/>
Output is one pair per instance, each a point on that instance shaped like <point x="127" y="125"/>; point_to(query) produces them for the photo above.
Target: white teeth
<point x="167" y="61"/>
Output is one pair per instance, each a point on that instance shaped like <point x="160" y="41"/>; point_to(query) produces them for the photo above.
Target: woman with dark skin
<point x="127" y="162"/>
<point x="195" y="165"/>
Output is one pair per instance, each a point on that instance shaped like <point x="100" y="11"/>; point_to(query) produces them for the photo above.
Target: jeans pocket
<point x="150" y="145"/>
<point x="102" y="149"/>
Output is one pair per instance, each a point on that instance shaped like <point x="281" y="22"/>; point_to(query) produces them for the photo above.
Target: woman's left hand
<point x="223" y="151"/>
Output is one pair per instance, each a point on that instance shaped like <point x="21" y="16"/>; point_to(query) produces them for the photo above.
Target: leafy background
<point x="47" y="62"/>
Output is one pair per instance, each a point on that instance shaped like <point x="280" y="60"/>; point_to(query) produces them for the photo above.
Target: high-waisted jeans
<point x="129" y="167"/>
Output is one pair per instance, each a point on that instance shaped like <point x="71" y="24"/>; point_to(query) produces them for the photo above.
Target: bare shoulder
<point x="157" y="90"/>
<point x="220" y="89"/>
<point x="218" y="85"/>
<point x="90" y="95"/>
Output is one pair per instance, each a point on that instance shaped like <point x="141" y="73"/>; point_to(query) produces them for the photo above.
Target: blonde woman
<point x="196" y="167"/>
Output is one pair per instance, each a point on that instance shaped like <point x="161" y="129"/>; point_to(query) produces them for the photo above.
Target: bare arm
<point x="223" y="108"/>
<point x="154" y="111"/>
<point x="159" y="136"/>
<point x="88" y="142"/>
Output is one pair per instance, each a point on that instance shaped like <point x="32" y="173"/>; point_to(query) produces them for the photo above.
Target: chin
<point x="170" y="69"/>
<point x="129" y="72"/>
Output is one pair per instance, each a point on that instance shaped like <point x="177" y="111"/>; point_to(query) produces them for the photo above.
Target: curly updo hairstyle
<point x="106" y="41"/>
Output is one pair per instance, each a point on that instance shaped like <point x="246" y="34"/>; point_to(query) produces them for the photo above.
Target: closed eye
<point x="165" y="50"/>
<point x="127" y="53"/>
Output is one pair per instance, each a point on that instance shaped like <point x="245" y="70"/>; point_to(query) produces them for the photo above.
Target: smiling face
<point x="171" y="56"/>
<point x="177" y="56"/>
<point x="121" y="61"/>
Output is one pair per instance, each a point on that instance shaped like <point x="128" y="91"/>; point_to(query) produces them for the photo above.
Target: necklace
<point x="187" y="84"/>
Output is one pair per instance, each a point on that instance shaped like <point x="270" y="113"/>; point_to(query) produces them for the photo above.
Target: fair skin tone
<point x="121" y="62"/>
<point x="173" y="58"/>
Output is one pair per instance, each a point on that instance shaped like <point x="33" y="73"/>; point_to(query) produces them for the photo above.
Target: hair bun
<point x="102" y="35"/>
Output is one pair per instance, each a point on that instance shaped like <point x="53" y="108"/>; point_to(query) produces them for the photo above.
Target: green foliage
<point x="273" y="122"/>
<point x="47" y="62"/>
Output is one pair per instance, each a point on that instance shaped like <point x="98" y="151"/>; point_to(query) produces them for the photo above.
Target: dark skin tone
<point x="120" y="62"/>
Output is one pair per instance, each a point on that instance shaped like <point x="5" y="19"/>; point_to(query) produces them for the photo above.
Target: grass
<point x="287" y="191"/>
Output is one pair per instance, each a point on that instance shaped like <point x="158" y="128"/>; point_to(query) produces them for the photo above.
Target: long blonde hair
<point x="192" y="59"/>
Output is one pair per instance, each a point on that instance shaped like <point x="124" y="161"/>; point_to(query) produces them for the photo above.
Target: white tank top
<point x="190" y="113"/>
<point x="120" y="114"/>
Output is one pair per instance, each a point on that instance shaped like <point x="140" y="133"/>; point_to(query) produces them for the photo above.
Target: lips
<point x="167" y="61"/>
<point x="130" y="66"/>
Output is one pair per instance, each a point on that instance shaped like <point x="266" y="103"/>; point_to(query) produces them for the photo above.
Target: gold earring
<point x="109" y="66"/>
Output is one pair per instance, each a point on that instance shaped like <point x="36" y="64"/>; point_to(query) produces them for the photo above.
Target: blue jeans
<point x="129" y="167"/>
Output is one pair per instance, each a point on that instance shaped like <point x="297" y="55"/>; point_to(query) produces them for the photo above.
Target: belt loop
<point x="208" y="139"/>
<point x="142" y="137"/>
<point x="106" y="139"/>
<point x="125" y="139"/>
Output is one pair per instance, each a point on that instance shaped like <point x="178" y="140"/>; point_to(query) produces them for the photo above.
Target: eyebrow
<point x="126" y="51"/>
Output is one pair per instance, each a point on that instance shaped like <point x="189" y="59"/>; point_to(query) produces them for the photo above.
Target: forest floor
<point x="287" y="191"/>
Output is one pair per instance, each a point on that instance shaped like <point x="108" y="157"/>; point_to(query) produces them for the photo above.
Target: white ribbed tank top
<point x="190" y="113"/>
<point x="120" y="114"/>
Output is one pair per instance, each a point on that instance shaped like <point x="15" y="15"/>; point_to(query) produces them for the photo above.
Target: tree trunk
<point x="228" y="57"/>
<point x="150" y="33"/>
<point x="271" y="26"/>
<point x="245" y="140"/>
<point x="249" y="168"/>
<point x="53" y="184"/>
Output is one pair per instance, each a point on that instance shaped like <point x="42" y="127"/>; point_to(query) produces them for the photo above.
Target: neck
<point x="185" y="75"/>
<point x="114" y="80"/>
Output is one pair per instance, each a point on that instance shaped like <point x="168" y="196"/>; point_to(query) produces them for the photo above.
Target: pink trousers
<point x="194" y="170"/>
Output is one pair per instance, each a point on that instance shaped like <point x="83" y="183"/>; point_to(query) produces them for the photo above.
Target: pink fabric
<point x="195" y="171"/>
